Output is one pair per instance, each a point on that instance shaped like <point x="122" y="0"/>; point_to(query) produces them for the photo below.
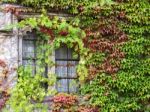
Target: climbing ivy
<point x="122" y="39"/>
<point x="29" y="93"/>
<point x="52" y="33"/>
<point x="113" y="42"/>
<point x="69" y="6"/>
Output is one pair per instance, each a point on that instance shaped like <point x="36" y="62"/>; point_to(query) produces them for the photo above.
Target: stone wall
<point x="9" y="46"/>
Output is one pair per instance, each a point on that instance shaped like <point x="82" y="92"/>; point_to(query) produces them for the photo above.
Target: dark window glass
<point x="29" y="51"/>
<point x="66" y="70"/>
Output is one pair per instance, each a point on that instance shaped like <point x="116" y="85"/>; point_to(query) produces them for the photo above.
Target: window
<point x="29" y="57"/>
<point x="66" y="70"/>
<point x="28" y="51"/>
<point x="65" y="64"/>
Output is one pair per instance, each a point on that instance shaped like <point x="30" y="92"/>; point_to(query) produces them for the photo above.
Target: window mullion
<point x="67" y="71"/>
<point x="35" y="56"/>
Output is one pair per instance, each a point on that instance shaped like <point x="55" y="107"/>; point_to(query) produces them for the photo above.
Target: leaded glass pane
<point x="28" y="49"/>
<point x="62" y="85"/>
<point x="73" y="85"/>
<point x="61" y="53"/>
<point x="61" y="68"/>
<point x="72" y="69"/>
<point x="30" y="63"/>
<point x="71" y="54"/>
<point x="29" y="36"/>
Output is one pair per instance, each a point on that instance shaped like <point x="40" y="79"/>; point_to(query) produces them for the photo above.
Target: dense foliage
<point x="122" y="68"/>
<point x="118" y="54"/>
<point x="69" y="6"/>
<point x="29" y="93"/>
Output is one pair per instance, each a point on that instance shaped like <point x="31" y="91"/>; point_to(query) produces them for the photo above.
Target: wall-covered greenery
<point x="123" y="42"/>
<point x="117" y="42"/>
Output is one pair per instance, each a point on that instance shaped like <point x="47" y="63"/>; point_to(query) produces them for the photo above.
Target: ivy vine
<point x="113" y="42"/>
